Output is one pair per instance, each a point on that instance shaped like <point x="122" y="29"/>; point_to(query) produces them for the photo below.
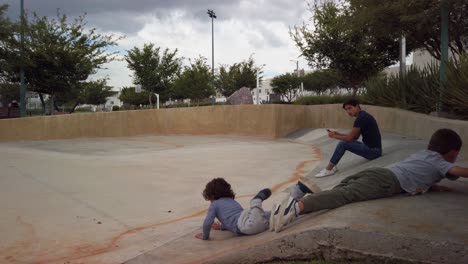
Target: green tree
<point x="153" y="69"/>
<point x="418" y="20"/>
<point x="97" y="92"/>
<point x="231" y="78"/>
<point x="7" y="41"/>
<point x="335" y="43"/>
<point x="129" y="96"/>
<point x="58" y="56"/>
<point x="322" y="80"/>
<point x="194" y="81"/>
<point x="8" y="93"/>
<point x="286" y="85"/>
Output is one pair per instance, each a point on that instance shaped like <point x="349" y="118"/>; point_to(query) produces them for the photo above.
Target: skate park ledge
<point x="271" y="121"/>
<point x="421" y="229"/>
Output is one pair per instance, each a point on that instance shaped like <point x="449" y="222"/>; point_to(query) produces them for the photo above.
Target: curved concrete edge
<point x="271" y="121"/>
<point x="349" y="244"/>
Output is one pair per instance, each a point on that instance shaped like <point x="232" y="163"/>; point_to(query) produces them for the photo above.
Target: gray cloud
<point x="120" y="14"/>
<point x="242" y="27"/>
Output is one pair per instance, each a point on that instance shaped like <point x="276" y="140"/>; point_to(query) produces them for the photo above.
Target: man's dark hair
<point x="352" y="102"/>
<point x="218" y="188"/>
<point x="444" y="140"/>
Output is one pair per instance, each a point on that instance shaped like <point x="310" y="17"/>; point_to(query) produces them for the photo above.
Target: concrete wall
<point x="254" y="120"/>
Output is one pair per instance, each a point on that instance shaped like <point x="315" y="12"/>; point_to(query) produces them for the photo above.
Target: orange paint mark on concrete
<point x="299" y="169"/>
<point x="17" y="248"/>
<point x="85" y="251"/>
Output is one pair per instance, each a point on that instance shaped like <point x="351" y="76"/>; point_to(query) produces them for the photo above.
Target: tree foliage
<point x="8" y="93"/>
<point x="154" y="69"/>
<point x="7" y="41"/>
<point x="418" y="20"/>
<point x="231" y="78"/>
<point x="322" y="80"/>
<point x="129" y="96"/>
<point x="96" y="92"/>
<point x="286" y="85"/>
<point x="195" y="81"/>
<point x="57" y="55"/>
<point x="61" y="54"/>
<point x="334" y="42"/>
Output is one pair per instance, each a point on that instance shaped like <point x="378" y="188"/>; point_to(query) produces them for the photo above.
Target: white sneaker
<point x="325" y="173"/>
<point x="273" y="215"/>
<point x="287" y="213"/>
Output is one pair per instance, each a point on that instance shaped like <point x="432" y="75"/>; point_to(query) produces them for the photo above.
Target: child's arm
<point x="209" y="219"/>
<point x="459" y="171"/>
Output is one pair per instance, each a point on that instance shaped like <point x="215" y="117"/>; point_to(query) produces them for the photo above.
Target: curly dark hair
<point x="218" y="188"/>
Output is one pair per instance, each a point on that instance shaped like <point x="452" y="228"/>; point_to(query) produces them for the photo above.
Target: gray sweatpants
<point x="253" y="220"/>
<point x="369" y="184"/>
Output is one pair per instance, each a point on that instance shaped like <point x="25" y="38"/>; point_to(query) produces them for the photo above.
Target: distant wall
<point x="254" y="120"/>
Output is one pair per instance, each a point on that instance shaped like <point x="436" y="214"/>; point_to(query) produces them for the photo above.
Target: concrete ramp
<point x="138" y="200"/>
<point x="429" y="228"/>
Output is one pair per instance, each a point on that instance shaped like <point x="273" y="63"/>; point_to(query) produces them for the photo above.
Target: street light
<point x="22" y="88"/>
<point x="258" y="83"/>
<point x="300" y="88"/>
<point x="212" y="14"/>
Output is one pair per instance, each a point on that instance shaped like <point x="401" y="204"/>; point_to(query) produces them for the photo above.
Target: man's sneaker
<point x="286" y="214"/>
<point x="325" y="173"/>
<point x="273" y="216"/>
<point x="263" y="194"/>
<point x="309" y="184"/>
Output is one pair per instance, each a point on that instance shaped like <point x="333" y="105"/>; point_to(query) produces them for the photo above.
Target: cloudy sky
<point x="242" y="28"/>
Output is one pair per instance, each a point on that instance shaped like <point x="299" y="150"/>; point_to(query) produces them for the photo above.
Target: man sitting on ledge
<point x="365" y="125"/>
<point x="414" y="175"/>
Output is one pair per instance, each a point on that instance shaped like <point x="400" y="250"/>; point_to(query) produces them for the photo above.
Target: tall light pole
<point x="212" y="14"/>
<point x="444" y="40"/>
<point x="300" y="88"/>
<point x="22" y="88"/>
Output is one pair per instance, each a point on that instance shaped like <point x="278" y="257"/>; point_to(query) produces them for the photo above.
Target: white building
<point x="264" y="92"/>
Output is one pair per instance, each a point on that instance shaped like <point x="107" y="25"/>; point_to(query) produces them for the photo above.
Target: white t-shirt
<point x="421" y="170"/>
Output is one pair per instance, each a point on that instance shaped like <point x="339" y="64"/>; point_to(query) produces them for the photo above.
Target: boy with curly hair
<point x="230" y="213"/>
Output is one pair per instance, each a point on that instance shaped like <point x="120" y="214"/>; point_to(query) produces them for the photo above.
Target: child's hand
<point x="199" y="236"/>
<point x="216" y="226"/>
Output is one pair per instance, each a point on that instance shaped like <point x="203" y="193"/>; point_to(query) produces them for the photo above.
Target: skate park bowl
<point x="125" y="187"/>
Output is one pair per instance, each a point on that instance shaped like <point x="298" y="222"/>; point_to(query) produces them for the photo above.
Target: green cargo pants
<point x="369" y="184"/>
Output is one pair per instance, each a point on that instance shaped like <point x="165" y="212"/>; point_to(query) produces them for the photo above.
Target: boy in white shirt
<point x="414" y="175"/>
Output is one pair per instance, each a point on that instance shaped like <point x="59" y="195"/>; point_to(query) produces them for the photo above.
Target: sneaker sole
<point x="278" y="225"/>
<point x="272" y="219"/>
<point x="310" y="184"/>
<point x="326" y="175"/>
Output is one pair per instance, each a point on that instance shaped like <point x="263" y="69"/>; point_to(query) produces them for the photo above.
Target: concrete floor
<point x="429" y="228"/>
<point x="138" y="200"/>
<point x="110" y="200"/>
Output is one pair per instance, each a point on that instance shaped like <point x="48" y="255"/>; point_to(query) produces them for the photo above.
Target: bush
<point x="417" y="91"/>
<point x="115" y="108"/>
<point x="420" y="90"/>
<point x="324" y="99"/>
<point x="455" y="94"/>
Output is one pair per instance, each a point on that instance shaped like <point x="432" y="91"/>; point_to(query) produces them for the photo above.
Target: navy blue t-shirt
<point x="369" y="130"/>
